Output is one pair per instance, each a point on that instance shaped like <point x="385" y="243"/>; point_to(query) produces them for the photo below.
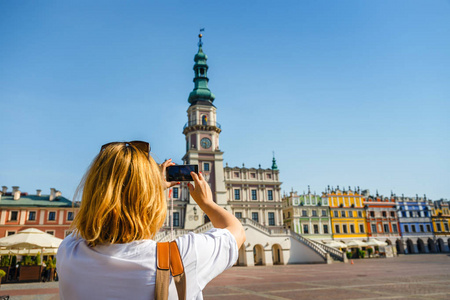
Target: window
<point x="446" y="226"/>
<point x="175" y="192"/>
<point x="324" y="213"/>
<point x="70" y="216"/>
<point x="372" y="214"/>
<point x="52" y="215"/>
<point x="236" y="174"/>
<point x="384" y="214"/>
<point x="271" y="219"/>
<point x="392" y="214"/>
<point x="336" y="214"/>
<point x="360" y="214"/>
<point x="305" y="229"/>
<point x="32" y="216"/>
<point x="406" y="229"/>
<point x="314" y="213"/>
<point x="428" y="227"/>
<point x="237" y="194"/>
<point x="374" y="228"/>
<point x="254" y="195"/>
<point x="50" y="232"/>
<point x="421" y="228"/>
<point x="316" y="228"/>
<point x="394" y="228"/>
<point x="386" y="228"/>
<point x="289" y="214"/>
<point x="238" y="215"/>
<point x="438" y="226"/>
<point x="304" y="213"/>
<point x="206" y="167"/>
<point x="176" y="219"/>
<point x="336" y="228"/>
<point x="255" y="216"/>
<point x="252" y="175"/>
<point x="269" y="176"/>
<point x="325" y="228"/>
<point x="361" y="228"/>
<point x="10" y="233"/>
<point x="269" y="195"/>
<point x="344" y="228"/>
<point x="343" y="213"/>
<point x="352" y="228"/>
<point x="413" y="228"/>
<point x="13" y="216"/>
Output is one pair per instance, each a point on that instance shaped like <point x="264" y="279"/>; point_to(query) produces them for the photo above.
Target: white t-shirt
<point x="128" y="271"/>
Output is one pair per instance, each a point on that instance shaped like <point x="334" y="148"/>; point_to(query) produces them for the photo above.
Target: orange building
<point x="50" y="213"/>
<point x="381" y="216"/>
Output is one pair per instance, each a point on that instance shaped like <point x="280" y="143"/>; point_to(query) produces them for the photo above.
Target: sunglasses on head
<point x="143" y="146"/>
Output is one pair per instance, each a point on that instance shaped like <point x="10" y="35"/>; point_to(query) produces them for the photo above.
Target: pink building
<point x="50" y="213"/>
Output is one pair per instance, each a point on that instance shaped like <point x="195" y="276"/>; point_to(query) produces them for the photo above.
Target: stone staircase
<point x="335" y="254"/>
<point x="313" y="246"/>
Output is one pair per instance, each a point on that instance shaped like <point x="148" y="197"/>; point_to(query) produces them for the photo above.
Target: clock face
<point x="206" y="143"/>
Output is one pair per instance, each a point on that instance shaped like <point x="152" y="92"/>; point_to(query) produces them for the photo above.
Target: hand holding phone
<point x="181" y="172"/>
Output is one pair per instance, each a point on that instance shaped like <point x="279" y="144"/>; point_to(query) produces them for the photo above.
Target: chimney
<point x="52" y="194"/>
<point x="38" y="192"/>
<point x="4" y="189"/>
<point x="57" y="193"/>
<point x="16" y="192"/>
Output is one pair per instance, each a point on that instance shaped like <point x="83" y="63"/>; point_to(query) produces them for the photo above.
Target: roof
<point x="34" y="201"/>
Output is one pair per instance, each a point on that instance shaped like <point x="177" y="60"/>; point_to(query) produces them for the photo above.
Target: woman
<point x="111" y="254"/>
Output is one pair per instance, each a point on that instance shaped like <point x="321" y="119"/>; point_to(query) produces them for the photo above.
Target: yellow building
<point x="440" y="216"/>
<point x="347" y="214"/>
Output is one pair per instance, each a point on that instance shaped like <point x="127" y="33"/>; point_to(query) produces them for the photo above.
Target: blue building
<point x="416" y="227"/>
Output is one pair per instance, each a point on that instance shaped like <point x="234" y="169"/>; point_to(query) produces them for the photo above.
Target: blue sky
<point x="345" y="92"/>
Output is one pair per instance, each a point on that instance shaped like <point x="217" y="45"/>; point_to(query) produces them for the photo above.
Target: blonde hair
<point x="122" y="197"/>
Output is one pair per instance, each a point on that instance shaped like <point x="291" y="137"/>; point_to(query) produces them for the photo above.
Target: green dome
<point x="201" y="94"/>
<point x="200" y="55"/>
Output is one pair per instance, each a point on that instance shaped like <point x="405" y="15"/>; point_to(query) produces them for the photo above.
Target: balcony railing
<point x="208" y="123"/>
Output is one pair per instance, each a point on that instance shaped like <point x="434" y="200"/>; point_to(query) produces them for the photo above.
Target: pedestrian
<point x="111" y="254"/>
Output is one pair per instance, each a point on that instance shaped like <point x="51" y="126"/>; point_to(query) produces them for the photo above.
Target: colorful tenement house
<point x="308" y="215"/>
<point x="50" y="213"/>
<point x="414" y="215"/>
<point x="347" y="214"/>
<point x="440" y="216"/>
<point x="381" y="216"/>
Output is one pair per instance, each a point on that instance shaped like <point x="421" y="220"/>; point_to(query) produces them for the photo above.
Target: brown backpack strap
<point x="162" y="271"/>
<point x="169" y="260"/>
<point x="177" y="269"/>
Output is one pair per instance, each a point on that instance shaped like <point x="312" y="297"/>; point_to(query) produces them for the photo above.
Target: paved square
<point x="424" y="276"/>
<point x="421" y="276"/>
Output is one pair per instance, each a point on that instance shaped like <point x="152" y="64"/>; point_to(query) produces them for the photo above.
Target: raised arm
<point x="219" y="217"/>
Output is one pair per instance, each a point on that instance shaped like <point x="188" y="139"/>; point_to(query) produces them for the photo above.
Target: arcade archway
<point x="258" y="255"/>
<point x="277" y="254"/>
<point x="421" y="246"/>
<point x="410" y="247"/>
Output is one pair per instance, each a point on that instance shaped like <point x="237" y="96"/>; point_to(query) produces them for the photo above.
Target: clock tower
<point x="202" y="139"/>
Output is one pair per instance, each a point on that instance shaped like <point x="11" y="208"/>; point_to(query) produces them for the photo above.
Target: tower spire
<point x="201" y="93"/>
<point x="274" y="162"/>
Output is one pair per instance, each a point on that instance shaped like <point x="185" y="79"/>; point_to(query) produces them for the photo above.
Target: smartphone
<point x="181" y="172"/>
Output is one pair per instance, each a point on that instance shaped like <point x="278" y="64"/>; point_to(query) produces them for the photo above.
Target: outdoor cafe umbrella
<point x="335" y="244"/>
<point x="31" y="238"/>
<point x="375" y="242"/>
<point x="356" y="244"/>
